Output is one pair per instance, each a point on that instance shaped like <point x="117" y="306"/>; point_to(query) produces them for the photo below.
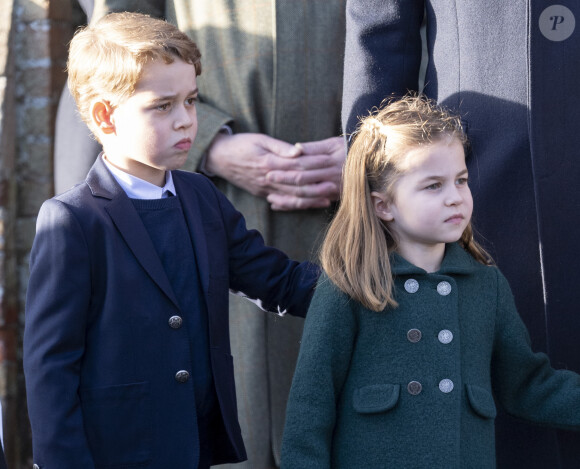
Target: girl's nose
<point x="454" y="197"/>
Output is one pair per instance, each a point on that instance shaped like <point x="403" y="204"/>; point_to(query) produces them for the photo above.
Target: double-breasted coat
<point x="106" y="366"/>
<point x="413" y="386"/>
<point x="510" y="68"/>
<point x="272" y="67"/>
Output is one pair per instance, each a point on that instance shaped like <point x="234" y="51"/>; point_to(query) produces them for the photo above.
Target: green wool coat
<point x="414" y="386"/>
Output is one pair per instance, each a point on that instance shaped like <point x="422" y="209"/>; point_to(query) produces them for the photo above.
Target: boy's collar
<point x="455" y="261"/>
<point x="137" y="188"/>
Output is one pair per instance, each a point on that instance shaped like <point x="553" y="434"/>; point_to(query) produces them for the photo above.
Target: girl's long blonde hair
<point x="356" y="249"/>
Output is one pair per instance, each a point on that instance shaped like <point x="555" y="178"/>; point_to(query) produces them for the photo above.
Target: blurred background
<point x="33" y="43"/>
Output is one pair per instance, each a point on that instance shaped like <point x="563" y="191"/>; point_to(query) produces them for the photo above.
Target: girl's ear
<point x="383" y="207"/>
<point x="102" y="115"/>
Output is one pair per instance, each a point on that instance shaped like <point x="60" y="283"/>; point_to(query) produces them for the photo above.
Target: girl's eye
<point x="434" y="186"/>
<point x="163" y="107"/>
<point x="191" y="101"/>
<point x="461" y="181"/>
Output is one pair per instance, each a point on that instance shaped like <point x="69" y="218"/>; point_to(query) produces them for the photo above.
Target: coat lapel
<point x="129" y="224"/>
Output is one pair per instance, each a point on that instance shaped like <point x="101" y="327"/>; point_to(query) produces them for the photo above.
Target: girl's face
<point x="431" y="202"/>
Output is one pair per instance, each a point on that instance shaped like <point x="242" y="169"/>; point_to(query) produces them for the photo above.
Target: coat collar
<point x="101" y="182"/>
<point x="455" y="261"/>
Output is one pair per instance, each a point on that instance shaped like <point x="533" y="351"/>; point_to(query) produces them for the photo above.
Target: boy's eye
<point x="163" y="107"/>
<point x="461" y="181"/>
<point x="191" y="101"/>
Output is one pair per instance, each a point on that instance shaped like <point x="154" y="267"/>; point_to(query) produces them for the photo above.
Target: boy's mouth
<point x="184" y="144"/>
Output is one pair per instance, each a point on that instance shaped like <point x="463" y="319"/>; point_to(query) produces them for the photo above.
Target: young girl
<point x="412" y="333"/>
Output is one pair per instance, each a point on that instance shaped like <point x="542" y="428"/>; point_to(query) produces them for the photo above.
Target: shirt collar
<point x="137" y="188"/>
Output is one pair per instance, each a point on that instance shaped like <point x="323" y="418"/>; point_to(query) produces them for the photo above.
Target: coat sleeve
<point x="154" y="8"/>
<point x="263" y="274"/>
<point x="382" y="54"/>
<point x="57" y="306"/>
<point x="322" y="367"/>
<point x="525" y="383"/>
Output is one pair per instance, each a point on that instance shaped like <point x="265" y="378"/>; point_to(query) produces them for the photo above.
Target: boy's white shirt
<point x="137" y="188"/>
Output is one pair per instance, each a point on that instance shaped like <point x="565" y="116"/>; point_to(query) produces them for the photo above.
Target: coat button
<point x="182" y="376"/>
<point x="444" y="288"/>
<point x="35" y="466"/>
<point x="445" y="336"/>
<point x="414" y="388"/>
<point x="446" y="385"/>
<point x="411" y="285"/>
<point x="175" y="322"/>
<point x="414" y="335"/>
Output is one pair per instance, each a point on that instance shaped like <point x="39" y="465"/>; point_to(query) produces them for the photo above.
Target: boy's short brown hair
<point x="106" y="58"/>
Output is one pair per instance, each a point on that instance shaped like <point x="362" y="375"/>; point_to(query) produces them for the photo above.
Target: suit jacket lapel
<point x="129" y="224"/>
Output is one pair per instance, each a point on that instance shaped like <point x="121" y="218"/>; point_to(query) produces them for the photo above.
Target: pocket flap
<point x="376" y="398"/>
<point x="481" y="401"/>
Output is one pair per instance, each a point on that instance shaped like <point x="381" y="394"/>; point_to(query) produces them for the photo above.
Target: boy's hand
<point x="303" y="176"/>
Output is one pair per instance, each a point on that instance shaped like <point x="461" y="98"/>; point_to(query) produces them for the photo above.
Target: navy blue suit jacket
<point x="100" y="357"/>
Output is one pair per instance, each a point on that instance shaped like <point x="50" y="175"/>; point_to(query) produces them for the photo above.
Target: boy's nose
<point x="184" y="118"/>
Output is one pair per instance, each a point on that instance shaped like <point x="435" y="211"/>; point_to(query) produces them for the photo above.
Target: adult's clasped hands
<point x="291" y="177"/>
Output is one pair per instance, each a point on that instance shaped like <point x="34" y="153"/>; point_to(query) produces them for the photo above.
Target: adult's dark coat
<point x="100" y="356"/>
<point x="2" y="459"/>
<point x="517" y="90"/>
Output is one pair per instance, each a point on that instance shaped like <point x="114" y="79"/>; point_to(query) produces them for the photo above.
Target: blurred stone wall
<point x="33" y="40"/>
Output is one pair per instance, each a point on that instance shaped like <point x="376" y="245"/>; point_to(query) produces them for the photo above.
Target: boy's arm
<point x="57" y="307"/>
<point x="263" y="274"/>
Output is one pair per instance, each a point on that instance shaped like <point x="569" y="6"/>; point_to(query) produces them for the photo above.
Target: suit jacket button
<point x="181" y="376"/>
<point x="175" y="322"/>
<point x="35" y="466"/>
<point x="414" y="388"/>
<point x="414" y="335"/>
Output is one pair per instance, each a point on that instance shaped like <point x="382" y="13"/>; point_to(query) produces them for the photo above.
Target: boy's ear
<point x="383" y="208"/>
<point x="102" y="113"/>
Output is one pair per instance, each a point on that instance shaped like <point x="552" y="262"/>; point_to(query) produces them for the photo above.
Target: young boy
<point x="126" y="345"/>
